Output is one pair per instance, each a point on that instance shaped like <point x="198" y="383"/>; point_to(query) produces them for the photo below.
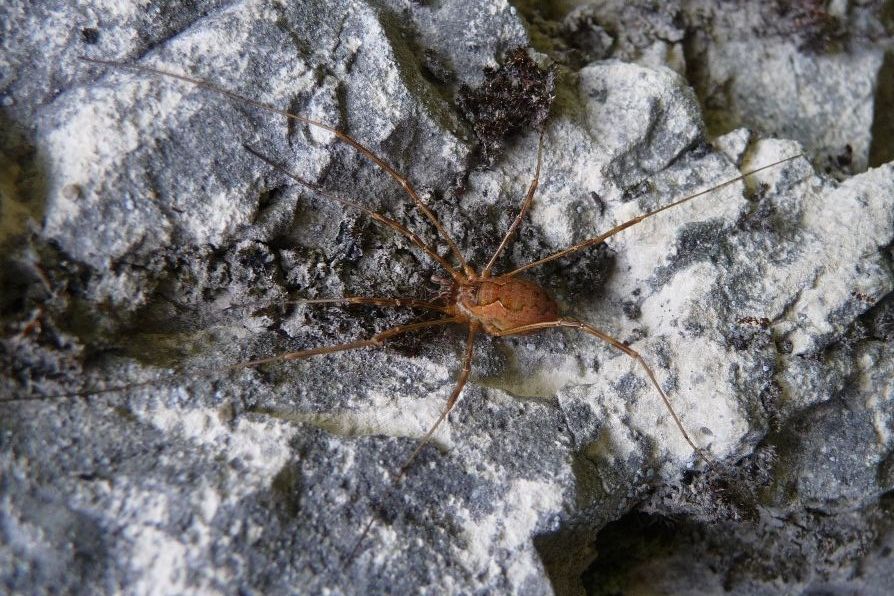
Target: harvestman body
<point x="500" y="305"/>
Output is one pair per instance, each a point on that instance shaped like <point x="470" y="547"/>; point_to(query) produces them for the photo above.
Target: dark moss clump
<point x="514" y="97"/>
<point x="818" y="30"/>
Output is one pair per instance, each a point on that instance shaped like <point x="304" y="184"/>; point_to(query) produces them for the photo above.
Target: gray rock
<point x="791" y="70"/>
<point x="143" y="238"/>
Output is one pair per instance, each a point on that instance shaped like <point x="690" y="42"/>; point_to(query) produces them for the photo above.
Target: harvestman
<point x="499" y="305"/>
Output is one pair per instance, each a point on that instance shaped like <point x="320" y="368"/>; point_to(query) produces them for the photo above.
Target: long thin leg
<point x="586" y="327"/>
<point x="426" y="438"/>
<point x="397" y="302"/>
<point x="529" y="198"/>
<point x="373" y="214"/>
<point x="601" y="237"/>
<point x="344" y="137"/>
<point x="451" y="401"/>
<point x="386" y="302"/>
<point x="375" y="341"/>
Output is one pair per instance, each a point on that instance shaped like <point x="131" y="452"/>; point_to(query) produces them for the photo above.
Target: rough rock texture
<point x="139" y="236"/>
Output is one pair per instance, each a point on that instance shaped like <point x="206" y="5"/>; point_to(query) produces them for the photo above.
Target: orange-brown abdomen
<point x="504" y="303"/>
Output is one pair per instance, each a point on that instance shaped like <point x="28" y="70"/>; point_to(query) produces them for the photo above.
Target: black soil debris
<point x="818" y="30"/>
<point x="514" y="97"/>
